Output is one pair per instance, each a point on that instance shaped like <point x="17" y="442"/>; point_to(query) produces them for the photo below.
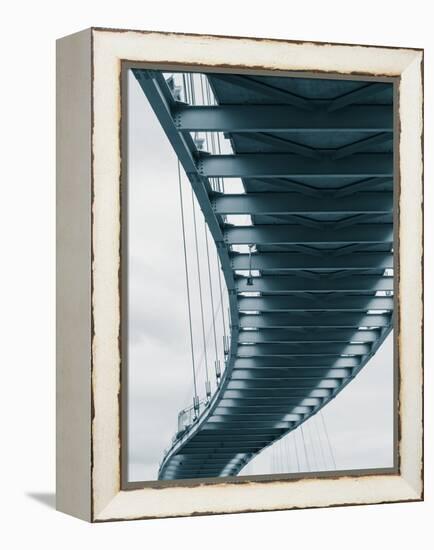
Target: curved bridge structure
<point x="311" y="293"/>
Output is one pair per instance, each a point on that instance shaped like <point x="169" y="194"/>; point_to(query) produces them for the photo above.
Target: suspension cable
<point x="315" y="418"/>
<point x="200" y="287"/>
<point x="184" y="81"/>
<point x="288" y="454"/>
<point x="312" y="443"/>
<point x="204" y="103"/>
<point x="219" y="149"/>
<point x="209" y="140"/>
<point x="328" y="439"/>
<point x="221" y="295"/>
<point x="199" y="360"/>
<point x="294" y="441"/>
<point x="305" y="448"/>
<point x="212" y="301"/>
<point x="187" y="283"/>
<point x="286" y="462"/>
<point x="193" y="95"/>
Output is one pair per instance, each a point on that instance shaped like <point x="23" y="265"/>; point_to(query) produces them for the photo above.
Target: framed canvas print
<point x="239" y="305"/>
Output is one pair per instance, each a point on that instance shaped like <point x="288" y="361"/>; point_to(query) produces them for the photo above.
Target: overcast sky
<point x="359" y="421"/>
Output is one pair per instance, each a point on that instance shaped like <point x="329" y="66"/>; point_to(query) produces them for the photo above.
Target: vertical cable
<point x="312" y="443"/>
<point x="203" y="101"/>
<point x="221" y="295"/>
<point x="212" y="301"/>
<point x="201" y="77"/>
<point x="278" y="458"/>
<point x="222" y="182"/>
<point x="184" y="82"/>
<point x="187" y="282"/>
<point x="200" y="286"/>
<point x="305" y="448"/>
<point x="294" y="441"/>
<point x="193" y="95"/>
<point x="315" y="418"/>
<point x="288" y="452"/>
<point x="328" y="439"/>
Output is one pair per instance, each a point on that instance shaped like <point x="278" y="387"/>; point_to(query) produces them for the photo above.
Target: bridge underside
<point x="312" y="302"/>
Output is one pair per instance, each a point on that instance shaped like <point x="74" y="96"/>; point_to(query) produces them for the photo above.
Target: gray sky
<point x="359" y="421"/>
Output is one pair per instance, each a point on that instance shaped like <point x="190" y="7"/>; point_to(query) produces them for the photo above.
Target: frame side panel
<point x="73" y="275"/>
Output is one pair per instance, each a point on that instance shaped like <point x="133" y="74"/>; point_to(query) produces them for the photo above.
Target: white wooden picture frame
<point x="89" y="173"/>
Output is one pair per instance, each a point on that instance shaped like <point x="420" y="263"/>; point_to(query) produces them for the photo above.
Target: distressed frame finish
<point x="88" y="298"/>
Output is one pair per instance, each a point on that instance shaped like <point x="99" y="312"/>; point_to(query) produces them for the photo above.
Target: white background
<point x="27" y="104"/>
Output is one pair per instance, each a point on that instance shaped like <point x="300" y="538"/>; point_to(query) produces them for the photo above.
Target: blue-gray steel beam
<point x="273" y="335"/>
<point x="283" y="261"/>
<point x="288" y="402"/>
<point x="281" y="118"/>
<point x="295" y="349"/>
<point x="258" y="362"/>
<point x="321" y="302"/>
<point x="294" y="234"/>
<point x="250" y="418"/>
<point x="294" y="203"/>
<point x="185" y="473"/>
<point x="192" y="456"/>
<point x="251" y="442"/>
<point x="281" y="374"/>
<point x="247" y="415"/>
<point x="291" y="384"/>
<point x="248" y="83"/>
<point x="275" y="428"/>
<point x="231" y="444"/>
<point x="272" y="432"/>
<point x="249" y="421"/>
<point x="293" y="283"/>
<point x="195" y="459"/>
<point x="243" y="424"/>
<point x="197" y="456"/>
<point x="195" y="463"/>
<point x="243" y="400"/>
<point x="263" y="165"/>
<point x="213" y="440"/>
<point x="234" y="448"/>
<point x="278" y="393"/>
<point x="320" y="319"/>
<point x="207" y="468"/>
<point x="236" y="406"/>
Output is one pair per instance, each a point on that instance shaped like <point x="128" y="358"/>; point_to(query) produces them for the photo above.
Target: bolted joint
<point x="177" y="121"/>
<point x="196" y="405"/>
<point x="208" y="389"/>
<point x="218" y="371"/>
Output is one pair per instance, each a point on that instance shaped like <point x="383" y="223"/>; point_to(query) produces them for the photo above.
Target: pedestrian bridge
<point x="309" y="278"/>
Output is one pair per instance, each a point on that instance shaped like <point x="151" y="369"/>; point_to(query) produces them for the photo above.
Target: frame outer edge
<point x="73" y="275"/>
<point x="411" y="276"/>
